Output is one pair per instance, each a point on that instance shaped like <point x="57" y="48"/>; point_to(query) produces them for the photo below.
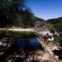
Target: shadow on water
<point x="30" y="44"/>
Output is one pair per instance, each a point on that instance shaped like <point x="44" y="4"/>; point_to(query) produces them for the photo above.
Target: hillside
<point x="55" y="20"/>
<point x="57" y="26"/>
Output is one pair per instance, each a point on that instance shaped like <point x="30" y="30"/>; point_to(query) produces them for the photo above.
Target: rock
<point x="45" y="56"/>
<point x="0" y="43"/>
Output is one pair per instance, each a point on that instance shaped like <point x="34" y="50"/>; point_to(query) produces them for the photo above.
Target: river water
<point x="29" y="44"/>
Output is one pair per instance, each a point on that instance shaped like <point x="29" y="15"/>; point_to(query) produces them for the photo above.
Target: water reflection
<point x="29" y="44"/>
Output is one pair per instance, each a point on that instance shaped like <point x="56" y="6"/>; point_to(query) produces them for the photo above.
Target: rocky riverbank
<point x="45" y="55"/>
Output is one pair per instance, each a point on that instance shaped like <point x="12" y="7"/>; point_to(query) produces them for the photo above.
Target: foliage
<point x="59" y="39"/>
<point x="57" y="24"/>
<point x="39" y="19"/>
<point x="58" y="27"/>
<point x="55" y="21"/>
<point x="9" y="10"/>
<point x="15" y="13"/>
<point x="27" y="18"/>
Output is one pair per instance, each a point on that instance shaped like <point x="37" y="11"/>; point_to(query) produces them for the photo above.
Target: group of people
<point x="48" y="38"/>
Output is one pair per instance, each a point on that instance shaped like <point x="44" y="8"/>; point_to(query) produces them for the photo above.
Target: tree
<point x="39" y="19"/>
<point x="27" y="18"/>
<point x="9" y="11"/>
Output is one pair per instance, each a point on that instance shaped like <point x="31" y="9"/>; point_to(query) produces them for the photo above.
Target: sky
<point x="46" y="9"/>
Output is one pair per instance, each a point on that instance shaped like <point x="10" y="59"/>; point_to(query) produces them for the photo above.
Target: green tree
<point x="27" y="18"/>
<point x="9" y="11"/>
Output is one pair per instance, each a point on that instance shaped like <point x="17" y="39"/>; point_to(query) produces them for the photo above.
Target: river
<point x="29" y="44"/>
